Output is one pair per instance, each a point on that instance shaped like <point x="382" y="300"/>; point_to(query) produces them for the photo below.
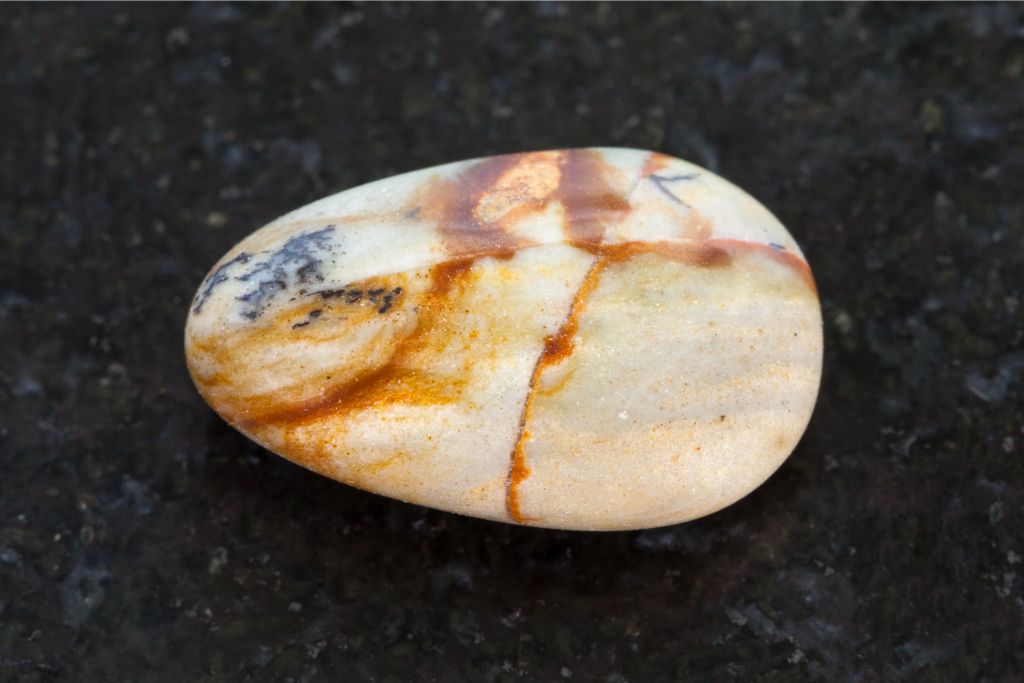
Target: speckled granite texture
<point x="141" y="539"/>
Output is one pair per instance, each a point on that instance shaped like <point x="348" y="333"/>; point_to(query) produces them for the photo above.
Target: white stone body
<point x="580" y="339"/>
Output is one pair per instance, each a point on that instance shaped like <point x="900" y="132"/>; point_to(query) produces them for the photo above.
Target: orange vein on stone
<point x="784" y="257"/>
<point x="557" y="347"/>
<point x="587" y="212"/>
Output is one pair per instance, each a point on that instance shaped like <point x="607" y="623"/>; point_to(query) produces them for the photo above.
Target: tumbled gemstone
<point x="581" y="339"/>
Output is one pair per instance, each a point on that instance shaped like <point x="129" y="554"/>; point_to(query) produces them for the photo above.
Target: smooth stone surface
<point x="583" y="339"/>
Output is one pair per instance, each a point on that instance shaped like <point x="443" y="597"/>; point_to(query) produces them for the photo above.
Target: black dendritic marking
<point x="312" y="316"/>
<point x="298" y="261"/>
<point x="661" y="182"/>
<point x="215" y="278"/>
<point x="382" y="298"/>
<point x="388" y="298"/>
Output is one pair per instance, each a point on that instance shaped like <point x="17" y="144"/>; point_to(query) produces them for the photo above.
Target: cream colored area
<point x="451" y="451"/>
<point x="684" y="201"/>
<point x="372" y="213"/>
<point x="542" y="226"/>
<point x="687" y="388"/>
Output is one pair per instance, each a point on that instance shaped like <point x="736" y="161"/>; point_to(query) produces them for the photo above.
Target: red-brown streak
<point x="786" y="258"/>
<point x="557" y="347"/>
<point x="590" y="203"/>
<point x="453" y="201"/>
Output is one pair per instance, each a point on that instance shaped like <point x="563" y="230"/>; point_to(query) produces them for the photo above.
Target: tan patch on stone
<point x="525" y="185"/>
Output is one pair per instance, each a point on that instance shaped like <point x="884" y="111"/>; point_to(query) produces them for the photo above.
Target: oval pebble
<point x="580" y="339"/>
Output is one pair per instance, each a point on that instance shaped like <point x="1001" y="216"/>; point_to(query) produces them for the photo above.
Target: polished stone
<point x="587" y="339"/>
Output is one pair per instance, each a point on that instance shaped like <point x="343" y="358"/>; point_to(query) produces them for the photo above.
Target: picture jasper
<point x="580" y="339"/>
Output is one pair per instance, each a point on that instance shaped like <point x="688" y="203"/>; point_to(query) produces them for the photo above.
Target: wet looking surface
<point x="142" y="538"/>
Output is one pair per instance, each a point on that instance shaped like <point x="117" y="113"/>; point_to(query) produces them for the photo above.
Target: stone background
<point x="143" y="540"/>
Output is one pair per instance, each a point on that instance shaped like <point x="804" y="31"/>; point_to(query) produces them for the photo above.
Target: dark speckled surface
<point x="143" y="540"/>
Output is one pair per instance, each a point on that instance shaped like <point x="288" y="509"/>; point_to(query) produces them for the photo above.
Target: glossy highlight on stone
<point x="582" y="339"/>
